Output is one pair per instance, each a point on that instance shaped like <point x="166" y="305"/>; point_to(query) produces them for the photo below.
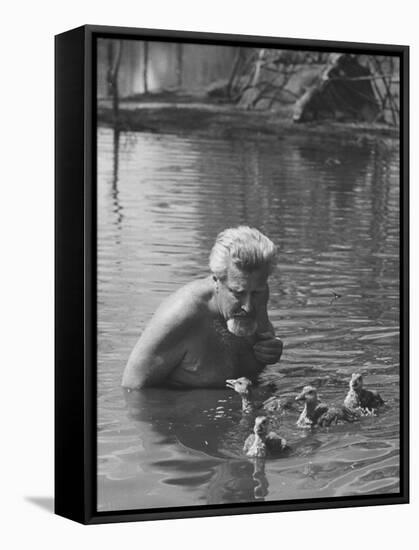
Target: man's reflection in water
<point x="209" y="423"/>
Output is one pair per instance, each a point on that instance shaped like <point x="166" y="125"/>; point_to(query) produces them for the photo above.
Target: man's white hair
<point x="245" y="247"/>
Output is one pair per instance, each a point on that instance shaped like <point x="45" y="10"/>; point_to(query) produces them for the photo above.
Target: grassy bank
<point x="226" y="121"/>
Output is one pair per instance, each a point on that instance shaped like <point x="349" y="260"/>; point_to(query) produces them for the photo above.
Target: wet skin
<point x="189" y="341"/>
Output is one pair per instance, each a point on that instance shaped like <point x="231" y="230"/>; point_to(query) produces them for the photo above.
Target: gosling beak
<point x="301" y="396"/>
<point x="230" y="383"/>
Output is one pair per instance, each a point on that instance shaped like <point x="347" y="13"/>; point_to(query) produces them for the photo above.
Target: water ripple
<point x="334" y="301"/>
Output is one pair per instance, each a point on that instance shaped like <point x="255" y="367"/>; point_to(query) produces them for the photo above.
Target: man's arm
<point x="266" y="346"/>
<point x="161" y="347"/>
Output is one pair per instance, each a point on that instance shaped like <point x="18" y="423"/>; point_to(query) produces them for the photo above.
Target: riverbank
<point x="191" y="116"/>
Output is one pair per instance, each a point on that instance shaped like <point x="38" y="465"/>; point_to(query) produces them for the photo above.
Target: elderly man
<point x="213" y="328"/>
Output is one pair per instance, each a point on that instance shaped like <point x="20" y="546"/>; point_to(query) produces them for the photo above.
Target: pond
<point x="332" y="207"/>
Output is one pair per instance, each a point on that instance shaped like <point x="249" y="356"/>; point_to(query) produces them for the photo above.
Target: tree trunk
<point x="114" y="61"/>
<point x="145" y="67"/>
<point x="236" y="64"/>
<point x="179" y="65"/>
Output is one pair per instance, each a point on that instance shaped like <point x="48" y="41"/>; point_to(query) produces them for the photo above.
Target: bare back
<point x="187" y="343"/>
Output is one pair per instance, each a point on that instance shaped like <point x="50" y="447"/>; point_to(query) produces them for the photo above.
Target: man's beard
<point x="241" y="326"/>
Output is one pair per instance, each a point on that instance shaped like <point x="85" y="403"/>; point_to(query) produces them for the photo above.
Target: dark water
<point x="333" y="209"/>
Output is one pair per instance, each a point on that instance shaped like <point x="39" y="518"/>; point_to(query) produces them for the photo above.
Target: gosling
<point x="359" y="398"/>
<point x="243" y="386"/>
<point x="316" y="413"/>
<point x="262" y="443"/>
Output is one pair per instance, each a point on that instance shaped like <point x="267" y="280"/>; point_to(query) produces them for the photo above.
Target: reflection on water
<point x="333" y="209"/>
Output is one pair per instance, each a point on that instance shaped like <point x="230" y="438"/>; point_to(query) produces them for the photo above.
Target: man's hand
<point x="268" y="348"/>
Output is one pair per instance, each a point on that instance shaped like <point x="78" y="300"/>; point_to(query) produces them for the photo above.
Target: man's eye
<point x="236" y="293"/>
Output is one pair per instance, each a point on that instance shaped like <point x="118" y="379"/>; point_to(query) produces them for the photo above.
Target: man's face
<point x="241" y="296"/>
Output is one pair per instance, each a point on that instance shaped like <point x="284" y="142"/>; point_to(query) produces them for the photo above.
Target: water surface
<point x="332" y="206"/>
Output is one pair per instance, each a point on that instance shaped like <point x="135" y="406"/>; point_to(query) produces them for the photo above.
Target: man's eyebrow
<point x="241" y="289"/>
<point x="236" y="288"/>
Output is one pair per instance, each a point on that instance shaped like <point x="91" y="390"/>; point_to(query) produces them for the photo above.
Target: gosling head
<point x="308" y="394"/>
<point x="240" y="385"/>
<point x="261" y="426"/>
<point x="356" y="382"/>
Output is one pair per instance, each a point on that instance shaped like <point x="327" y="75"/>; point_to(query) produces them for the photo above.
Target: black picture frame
<point x="75" y="275"/>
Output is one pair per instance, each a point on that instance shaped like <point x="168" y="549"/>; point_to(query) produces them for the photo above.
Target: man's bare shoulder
<point x="166" y="337"/>
<point x="188" y="303"/>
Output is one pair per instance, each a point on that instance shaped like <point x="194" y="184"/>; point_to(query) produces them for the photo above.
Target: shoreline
<point x="226" y="121"/>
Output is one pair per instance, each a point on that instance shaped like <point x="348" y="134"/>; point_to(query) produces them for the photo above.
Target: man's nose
<point x="247" y="304"/>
